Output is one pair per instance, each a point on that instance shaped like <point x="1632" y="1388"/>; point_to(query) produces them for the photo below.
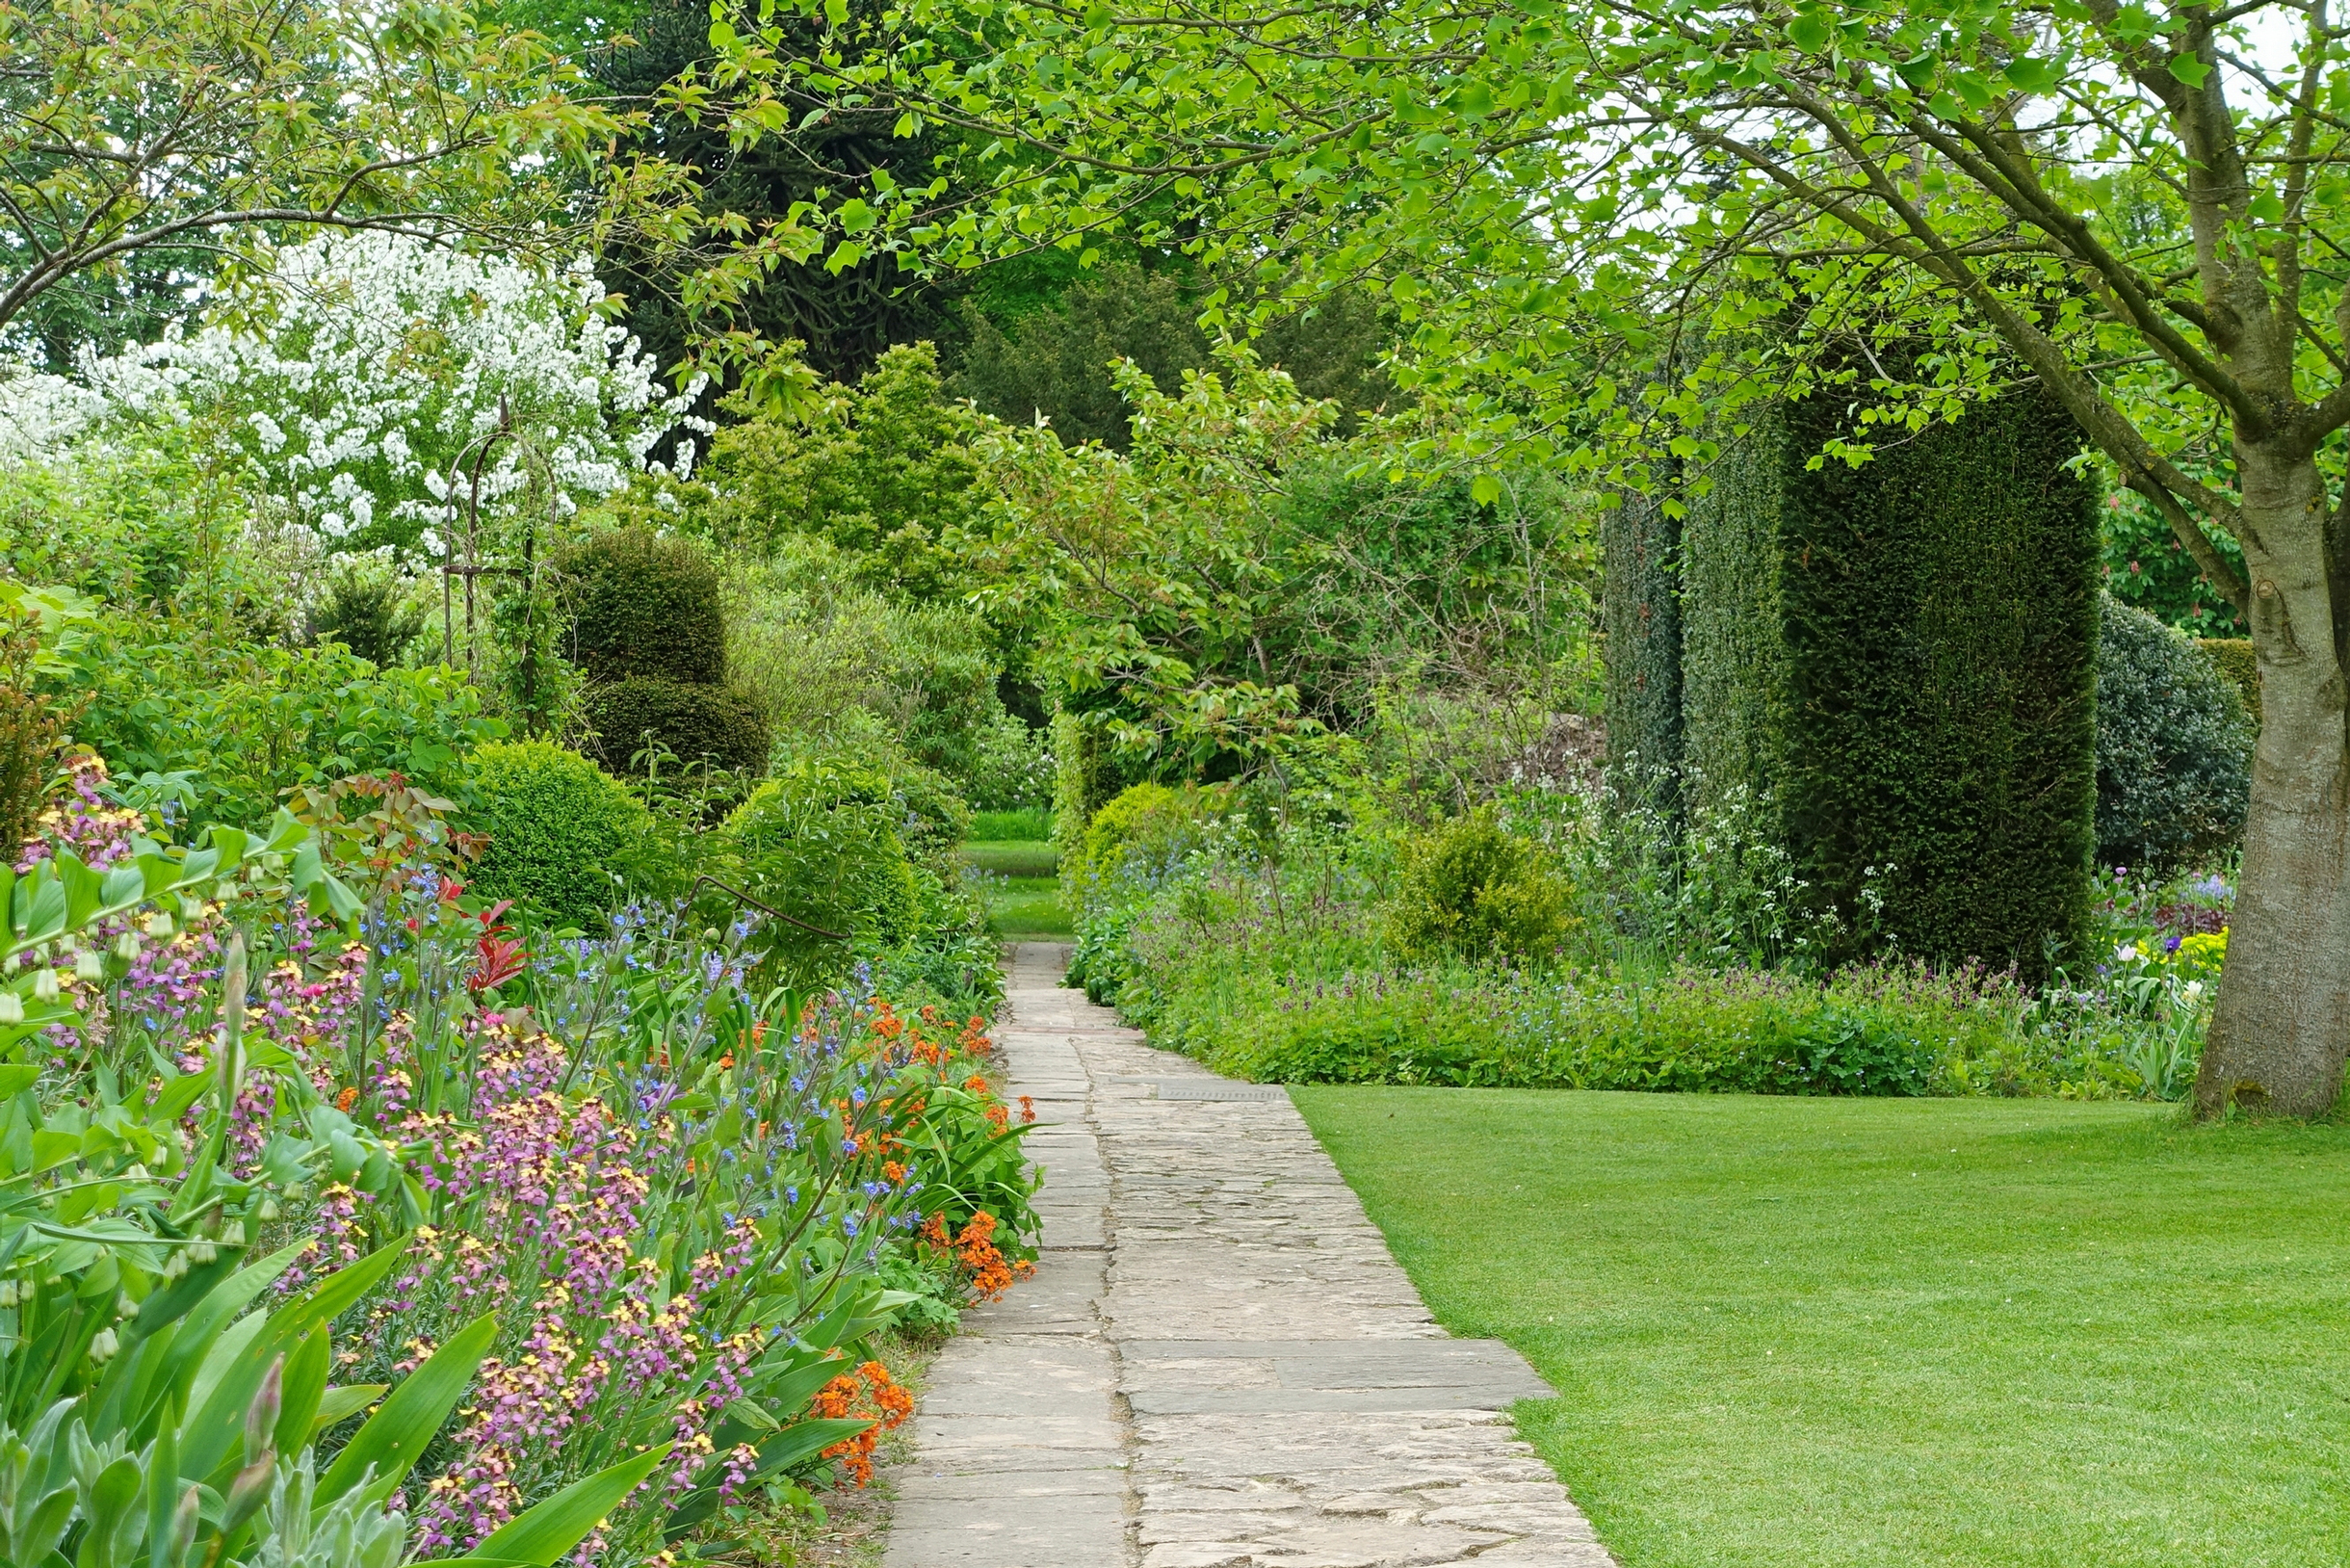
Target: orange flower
<point x="347" y="1099"/>
<point x="987" y="1271"/>
<point x="976" y="1084"/>
<point x="1028" y="1109"/>
<point x="867" y="1394"/>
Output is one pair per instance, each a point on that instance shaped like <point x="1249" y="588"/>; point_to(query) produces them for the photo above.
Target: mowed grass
<point x="1819" y="1333"/>
<point x="1023" y="890"/>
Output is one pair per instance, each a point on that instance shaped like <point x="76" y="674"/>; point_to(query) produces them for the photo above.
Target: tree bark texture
<point x="2281" y="1030"/>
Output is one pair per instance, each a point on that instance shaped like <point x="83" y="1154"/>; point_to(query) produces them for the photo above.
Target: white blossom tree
<point x="384" y="388"/>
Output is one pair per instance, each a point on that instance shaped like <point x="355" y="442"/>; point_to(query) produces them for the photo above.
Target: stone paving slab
<point x="1216" y="1364"/>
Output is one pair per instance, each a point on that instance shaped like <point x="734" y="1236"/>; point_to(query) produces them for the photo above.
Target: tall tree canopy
<point x="1609" y="227"/>
<point x="843" y="317"/>
<point x="139" y="134"/>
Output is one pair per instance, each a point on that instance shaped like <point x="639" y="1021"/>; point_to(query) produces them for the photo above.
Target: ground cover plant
<point x="1855" y="1332"/>
<point x="1572" y="941"/>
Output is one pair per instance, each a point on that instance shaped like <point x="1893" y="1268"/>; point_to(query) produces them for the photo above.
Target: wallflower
<point x="986" y="1271"/>
<point x="867" y="1394"/>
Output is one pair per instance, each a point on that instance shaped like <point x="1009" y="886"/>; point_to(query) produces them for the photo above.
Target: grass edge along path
<point x="1838" y="1333"/>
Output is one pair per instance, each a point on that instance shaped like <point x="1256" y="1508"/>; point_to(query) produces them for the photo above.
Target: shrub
<point x="368" y="613"/>
<point x="1471" y="889"/>
<point x="882" y="470"/>
<point x="1692" y="1032"/>
<point x="1642" y="606"/>
<point x="1143" y="828"/>
<point x="1085" y="779"/>
<point x="692" y="721"/>
<point x="933" y="819"/>
<point x="1053" y="360"/>
<point x="2174" y="747"/>
<point x="1011" y="768"/>
<point x="822" y="655"/>
<point x="247" y="723"/>
<point x="644" y="605"/>
<point x="820" y="844"/>
<point x="2236" y="660"/>
<point x="559" y="829"/>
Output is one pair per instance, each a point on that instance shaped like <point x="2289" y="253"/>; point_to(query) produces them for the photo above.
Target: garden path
<point x="1217" y="1364"/>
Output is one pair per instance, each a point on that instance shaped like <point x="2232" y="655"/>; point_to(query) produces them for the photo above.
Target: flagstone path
<point x="1217" y="1364"/>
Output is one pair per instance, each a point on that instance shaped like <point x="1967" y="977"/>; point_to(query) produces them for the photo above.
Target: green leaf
<point x="792" y="1390"/>
<point x="564" y="1520"/>
<point x="214" y="1303"/>
<point x="394" y="1436"/>
<point x="305" y="1385"/>
<point x="177" y="1096"/>
<point x="225" y="1352"/>
<point x="216" y="1431"/>
<point x="2190" y="71"/>
<point x="1809" y="32"/>
<point x="2268" y="208"/>
<point x="2032" y="75"/>
<point x="798" y="1444"/>
<point x="163" y="1493"/>
<point x="85" y="889"/>
<point x="340" y="1404"/>
<point x="46" y="912"/>
<point x="1485" y="489"/>
<point x="793" y="1446"/>
<point x="230" y="843"/>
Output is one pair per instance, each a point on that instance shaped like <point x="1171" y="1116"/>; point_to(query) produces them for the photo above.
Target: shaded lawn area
<point x="1023" y="890"/>
<point x="1893" y="1332"/>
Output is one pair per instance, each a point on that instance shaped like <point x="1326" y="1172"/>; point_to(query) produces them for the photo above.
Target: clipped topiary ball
<point x="644" y="605"/>
<point x="2174" y="747"/>
<point x="1473" y="889"/>
<point x="693" y="721"/>
<point x="558" y="828"/>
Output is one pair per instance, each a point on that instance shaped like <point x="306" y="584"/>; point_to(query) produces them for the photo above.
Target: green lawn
<point x="1817" y="1333"/>
<point x="1024" y="893"/>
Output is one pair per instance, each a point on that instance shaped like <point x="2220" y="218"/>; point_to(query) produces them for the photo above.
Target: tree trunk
<point x="2283" y="1024"/>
